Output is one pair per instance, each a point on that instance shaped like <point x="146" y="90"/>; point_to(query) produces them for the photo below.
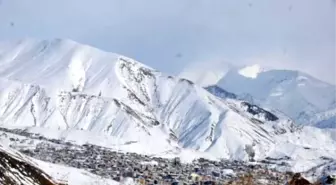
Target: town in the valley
<point x="144" y="169"/>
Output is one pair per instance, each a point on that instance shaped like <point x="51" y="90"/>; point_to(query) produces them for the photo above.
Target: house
<point x="195" y="177"/>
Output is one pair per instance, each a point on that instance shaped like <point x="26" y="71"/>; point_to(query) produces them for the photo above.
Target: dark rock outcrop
<point x="250" y="108"/>
<point x="255" y="110"/>
<point x="219" y="92"/>
<point x="297" y="179"/>
<point x="16" y="170"/>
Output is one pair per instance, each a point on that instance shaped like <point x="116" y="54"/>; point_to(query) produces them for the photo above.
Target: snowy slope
<point x="294" y="93"/>
<point x="63" y="89"/>
<point x="246" y="107"/>
<point x="299" y="147"/>
<point x="16" y="169"/>
<point x="325" y="119"/>
<point x="73" y="176"/>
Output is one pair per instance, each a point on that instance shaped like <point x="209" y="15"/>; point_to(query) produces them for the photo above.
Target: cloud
<point x="297" y="34"/>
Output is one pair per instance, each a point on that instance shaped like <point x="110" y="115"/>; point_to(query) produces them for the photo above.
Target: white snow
<point x="149" y="163"/>
<point x="228" y="172"/>
<point x="251" y="71"/>
<point x="72" y="176"/>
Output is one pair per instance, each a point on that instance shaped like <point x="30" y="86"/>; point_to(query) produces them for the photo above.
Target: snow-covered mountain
<point x="294" y="93"/>
<point x="273" y="89"/>
<point x="63" y="85"/>
<point x="63" y="89"/>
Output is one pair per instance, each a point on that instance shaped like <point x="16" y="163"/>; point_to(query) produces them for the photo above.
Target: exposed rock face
<point x="217" y="91"/>
<point x="16" y="170"/>
<point x="255" y="110"/>
<point x="297" y="179"/>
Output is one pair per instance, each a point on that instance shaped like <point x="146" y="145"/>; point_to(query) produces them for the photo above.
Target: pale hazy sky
<point x="171" y="34"/>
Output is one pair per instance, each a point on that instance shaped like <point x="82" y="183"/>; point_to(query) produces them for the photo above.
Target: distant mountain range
<point x="301" y="97"/>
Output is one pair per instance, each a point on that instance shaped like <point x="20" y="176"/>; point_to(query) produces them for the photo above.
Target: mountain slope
<point x="73" y="176"/>
<point x="325" y="119"/>
<point x="278" y="89"/>
<point x="18" y="169"/>
<point x="66" y="90"/>
<point x="251" y="109"/>
<point x="15" y="169"/>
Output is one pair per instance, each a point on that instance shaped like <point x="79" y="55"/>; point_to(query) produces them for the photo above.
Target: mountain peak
<point x="251" y="71"/>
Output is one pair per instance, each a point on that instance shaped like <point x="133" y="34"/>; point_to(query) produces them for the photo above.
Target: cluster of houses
<point x="145" y="169"/>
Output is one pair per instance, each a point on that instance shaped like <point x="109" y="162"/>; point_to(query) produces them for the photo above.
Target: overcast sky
<point x="171" y="34"/>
